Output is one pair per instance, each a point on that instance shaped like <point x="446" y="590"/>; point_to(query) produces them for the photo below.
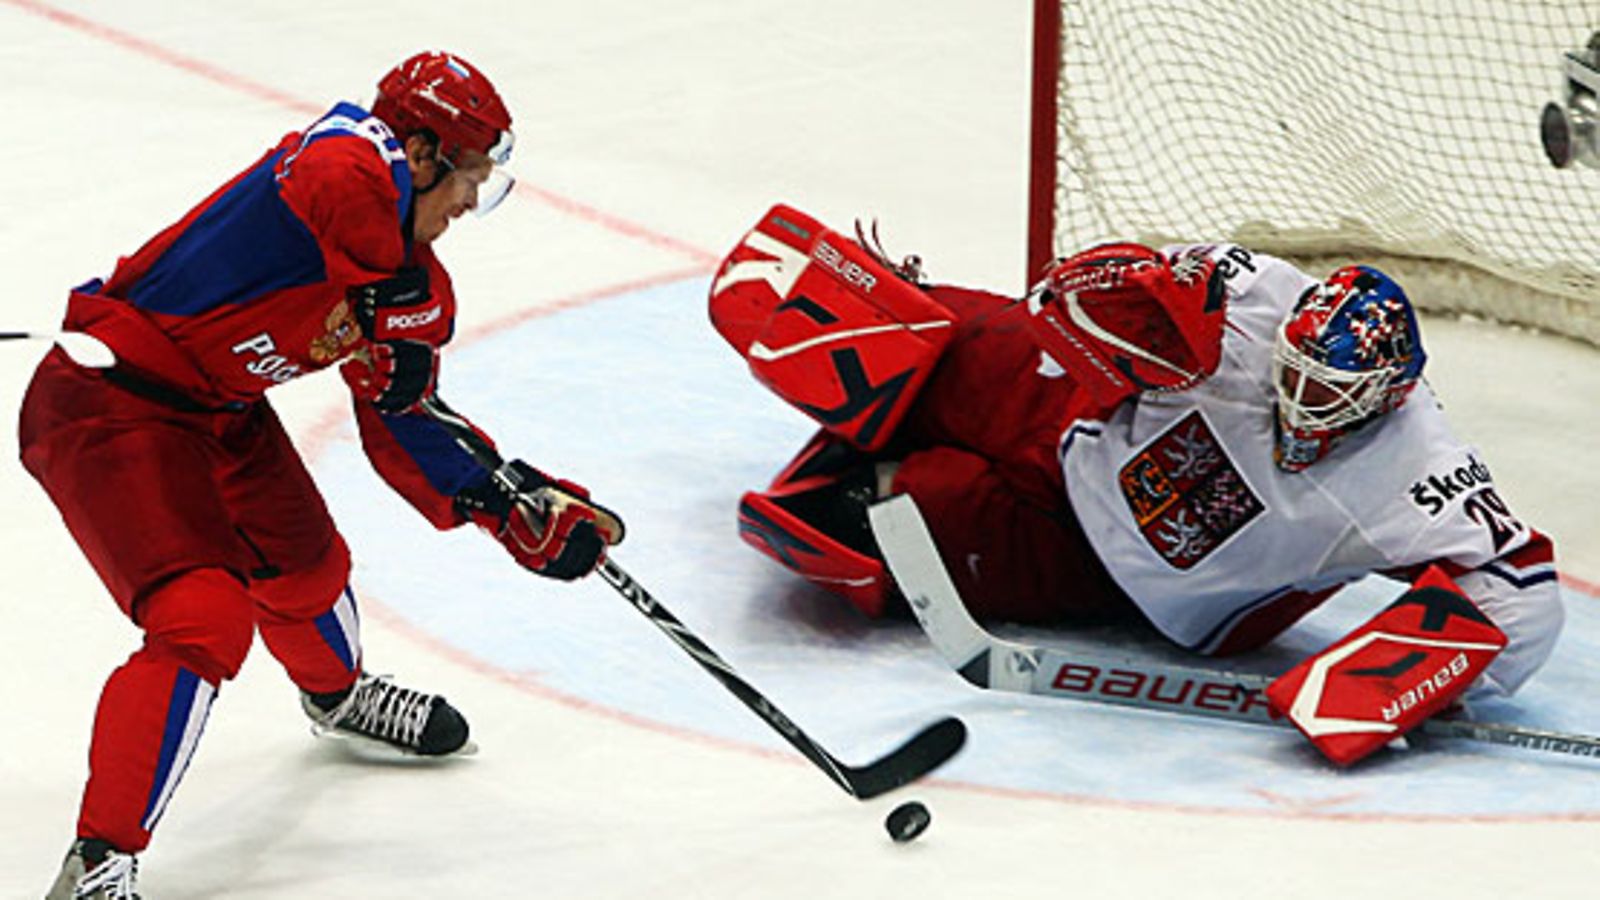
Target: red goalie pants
<point x="1011" y="557"/>
<point x="205" y="527"/>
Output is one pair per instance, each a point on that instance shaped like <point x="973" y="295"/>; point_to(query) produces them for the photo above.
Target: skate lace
<point x="113" y="879"/>
<point x="379" y="708"/>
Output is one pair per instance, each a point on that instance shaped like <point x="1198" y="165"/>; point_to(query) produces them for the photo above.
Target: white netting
<point x="1337" y="129"/>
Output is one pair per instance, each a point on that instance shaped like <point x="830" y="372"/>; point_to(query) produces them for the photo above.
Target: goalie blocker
<point x="1391" y="674"/>
<point x="834" y="332"/>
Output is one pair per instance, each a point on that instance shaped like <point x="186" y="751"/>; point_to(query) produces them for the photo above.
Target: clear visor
<point x="493" y="190"/>
<point x="1317" y="397"/>
<point x="500" y="181"/>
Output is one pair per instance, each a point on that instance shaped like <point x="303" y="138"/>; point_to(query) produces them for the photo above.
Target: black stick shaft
<point x="690" y="643"/>
<point x="925" y="751"/>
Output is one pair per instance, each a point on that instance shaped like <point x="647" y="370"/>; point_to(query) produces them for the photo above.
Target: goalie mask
<point x="1348" y="353"/>
<point x="1121" y="319"/>
<point x="447" y="97"/>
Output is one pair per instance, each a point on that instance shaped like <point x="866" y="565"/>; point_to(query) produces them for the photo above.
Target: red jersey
<point x="248" y="290"/>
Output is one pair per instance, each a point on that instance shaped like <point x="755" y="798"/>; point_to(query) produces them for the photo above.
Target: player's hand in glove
<point x="394" y="375"/>
<point x="549" y="525"/>
<point x="400" y="307"/>
<point x="403" y="324"/>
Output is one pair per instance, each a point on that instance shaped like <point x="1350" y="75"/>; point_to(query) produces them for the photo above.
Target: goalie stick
<point x="993" y="663"/>
<point x="922" y="753"/>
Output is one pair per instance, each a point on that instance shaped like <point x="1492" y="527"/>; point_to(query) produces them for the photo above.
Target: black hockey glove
<point x="401" y="374"/>
<point x="394" y="308"/>
<point x="404" y="324"/>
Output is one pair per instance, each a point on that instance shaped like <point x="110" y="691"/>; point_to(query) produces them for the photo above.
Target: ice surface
<point x="650" y="137"/>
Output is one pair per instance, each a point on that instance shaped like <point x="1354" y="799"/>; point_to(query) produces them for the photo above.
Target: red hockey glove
<point x="549" y="525"/>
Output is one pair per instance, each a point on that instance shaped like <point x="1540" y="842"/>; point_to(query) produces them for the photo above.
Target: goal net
<point x="1405" y="134"/>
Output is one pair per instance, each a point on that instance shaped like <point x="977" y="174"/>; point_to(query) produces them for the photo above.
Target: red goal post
<point x="1403" y="134"/>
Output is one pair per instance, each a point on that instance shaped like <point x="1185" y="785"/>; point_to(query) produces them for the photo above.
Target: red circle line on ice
<point x="329" y="426"/>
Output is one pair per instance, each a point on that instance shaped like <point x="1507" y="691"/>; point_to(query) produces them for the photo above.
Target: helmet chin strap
<point x="408" y="227"/>
<point x="441" y="170"/>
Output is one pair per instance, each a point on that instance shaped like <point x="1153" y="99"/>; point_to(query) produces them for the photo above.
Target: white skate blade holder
<point x="373" y="750"/>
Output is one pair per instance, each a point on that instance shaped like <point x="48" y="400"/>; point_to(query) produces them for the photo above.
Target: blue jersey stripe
<point x="246" y="244"/>
<point x="1520" y="581"/>
<point x="347" y="119"/>
<point x="433" y="448"/>
<point x="1072" y="434"/>
<point x="1215" y="636"/>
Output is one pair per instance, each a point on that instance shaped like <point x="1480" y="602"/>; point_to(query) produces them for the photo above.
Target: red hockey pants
<point x="205" y="527"/>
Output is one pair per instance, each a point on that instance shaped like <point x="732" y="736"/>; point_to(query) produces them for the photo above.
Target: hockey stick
<point x="85" y="350"/>
<point x="922" y="753"/>
<point x="993" y="663"/>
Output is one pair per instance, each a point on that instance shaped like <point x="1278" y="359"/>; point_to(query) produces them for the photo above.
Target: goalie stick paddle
<point x="993" y="663"/>
<point x="922" y="753"/>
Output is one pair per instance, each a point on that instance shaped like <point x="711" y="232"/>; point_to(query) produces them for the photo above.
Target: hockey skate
<point x="93" y="870"/>
<point x="379" y="715"/>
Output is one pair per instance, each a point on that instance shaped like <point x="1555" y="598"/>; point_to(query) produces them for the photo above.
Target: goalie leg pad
<point x="813" y="520"/>
<point x="827" y="327"/>
<point x="1386" y="677"/>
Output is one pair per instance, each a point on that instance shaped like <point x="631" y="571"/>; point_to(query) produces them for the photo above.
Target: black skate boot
<point x="94" y="870"/>
<point x="379" y="712"/>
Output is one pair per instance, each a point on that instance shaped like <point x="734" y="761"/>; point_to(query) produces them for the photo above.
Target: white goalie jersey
<point x="1181" y="499"/>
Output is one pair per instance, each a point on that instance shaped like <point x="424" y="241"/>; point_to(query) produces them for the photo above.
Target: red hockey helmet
<point x="1121" y="319"/>
<point x="446" y="95"/>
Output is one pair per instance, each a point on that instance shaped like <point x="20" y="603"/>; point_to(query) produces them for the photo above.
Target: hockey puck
<point x="907" y="821"/>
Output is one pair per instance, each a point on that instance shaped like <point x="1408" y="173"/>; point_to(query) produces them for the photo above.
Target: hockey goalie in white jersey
<point x="1211" y="436"/>
<point x="1228" y="503"/>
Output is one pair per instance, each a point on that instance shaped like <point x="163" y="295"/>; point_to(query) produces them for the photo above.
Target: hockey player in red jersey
<point x="1202" y="437"/>
<point x="175" y="477"/>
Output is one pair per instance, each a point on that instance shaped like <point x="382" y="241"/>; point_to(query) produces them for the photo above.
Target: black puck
<point x="907" y="821"/>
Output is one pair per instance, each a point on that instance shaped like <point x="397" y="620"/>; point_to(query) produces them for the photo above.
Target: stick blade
<point x="86" y="350"/>
<point x="929" y="749"/>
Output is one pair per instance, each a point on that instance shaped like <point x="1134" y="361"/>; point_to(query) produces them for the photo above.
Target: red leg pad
<point x="827" y="327"/>
<point x="821" y="559"/>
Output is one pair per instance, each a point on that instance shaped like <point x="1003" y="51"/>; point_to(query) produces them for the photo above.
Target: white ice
<point x="650" y="137"/>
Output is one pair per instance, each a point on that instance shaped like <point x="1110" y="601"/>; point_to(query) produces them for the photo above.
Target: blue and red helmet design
<point x="1359" y="320"/>
<point x="1350" y="351"/>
